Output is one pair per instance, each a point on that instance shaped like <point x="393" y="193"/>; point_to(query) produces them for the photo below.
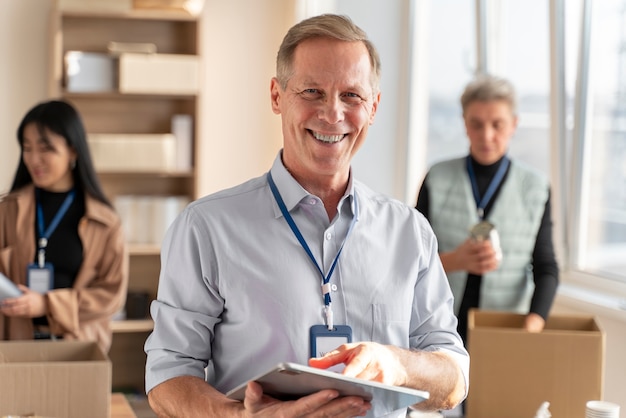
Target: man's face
<point x="490" y="126"/>
<point x="326" y="108"/>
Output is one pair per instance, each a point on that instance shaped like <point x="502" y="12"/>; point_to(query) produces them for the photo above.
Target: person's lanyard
<point x="45" y="233"/>
<point x="481" y="203"/>
<point x="296" y="232"/>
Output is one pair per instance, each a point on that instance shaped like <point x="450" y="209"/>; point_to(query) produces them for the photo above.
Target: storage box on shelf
<point x="142" y="132"/>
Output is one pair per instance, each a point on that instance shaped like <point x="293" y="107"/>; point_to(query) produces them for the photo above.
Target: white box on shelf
<point x="182" y="129"/>
<point x="142" y="220"/>
<point x="90" y="72"/>
<point x="165" y="209"/>
<point x="145" y="219"/>
<point x="133" y="152"/>
<point x="159" y="73"/>
<point x="124" y="208"/>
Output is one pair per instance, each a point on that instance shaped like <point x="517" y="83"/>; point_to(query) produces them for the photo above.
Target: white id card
<point x="40" y="279"/>
<point x="324" y="340"/>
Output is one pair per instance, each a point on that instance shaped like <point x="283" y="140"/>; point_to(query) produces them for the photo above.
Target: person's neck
<point x="492" y="165"/>
<point x="329" y="189"/>
<point x="57" y="189"/>
<point x="62" y="186"/>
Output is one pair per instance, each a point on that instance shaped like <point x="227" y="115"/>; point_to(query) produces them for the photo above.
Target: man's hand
<point x="366" y="360"/>
<point x="202" y="400"/>
<point x="28" y="305"/>
<point x="321" y="404"/>
<point x="434" y="372"/>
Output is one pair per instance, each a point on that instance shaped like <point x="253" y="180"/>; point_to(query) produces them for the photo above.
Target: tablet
<point x="291" y="381"/>
<point x="8" y="289"/>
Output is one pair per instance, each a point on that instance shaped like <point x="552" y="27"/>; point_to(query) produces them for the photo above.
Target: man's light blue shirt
<point x="238" y="293"/>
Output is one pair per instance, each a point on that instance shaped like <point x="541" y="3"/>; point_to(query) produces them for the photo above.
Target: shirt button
<point x="311" y="201"/>
<point x="328" y="236"/>
<point x="333" y="287"/>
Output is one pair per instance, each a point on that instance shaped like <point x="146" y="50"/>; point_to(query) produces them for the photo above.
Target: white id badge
<point x="324" y="340"/>
<point x="40" y="279"/>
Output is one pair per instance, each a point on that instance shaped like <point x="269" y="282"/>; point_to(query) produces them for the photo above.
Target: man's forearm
<point x="189" y="396"/>
<point x="435" y="372"/>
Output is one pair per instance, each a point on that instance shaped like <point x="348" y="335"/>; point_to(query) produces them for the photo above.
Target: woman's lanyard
<point x="481" y="203"/>
<point x="45" y="233"/>
<point x="325" y="278"/>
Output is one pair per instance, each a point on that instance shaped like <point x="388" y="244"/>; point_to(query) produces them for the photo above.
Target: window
<point x="452" y="64"/>
<point x="515" y="38"/>
<point x="522" y="57"/>
<point x="600" y="164"/>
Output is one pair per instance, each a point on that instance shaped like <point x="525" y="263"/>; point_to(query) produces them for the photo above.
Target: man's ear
<point x="374" y="107"/>
<point x="275" y="95"/>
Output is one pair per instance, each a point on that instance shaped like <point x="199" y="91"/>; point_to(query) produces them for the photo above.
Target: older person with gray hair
<point x="491" y="215"/>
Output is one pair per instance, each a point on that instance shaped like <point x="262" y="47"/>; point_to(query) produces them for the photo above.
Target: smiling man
<point x="263" y="272"/>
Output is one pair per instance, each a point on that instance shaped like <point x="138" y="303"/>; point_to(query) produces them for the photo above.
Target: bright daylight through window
<point x="517" y="47"/>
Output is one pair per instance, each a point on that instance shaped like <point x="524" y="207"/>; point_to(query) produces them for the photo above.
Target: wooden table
<point x="120" y="408"/>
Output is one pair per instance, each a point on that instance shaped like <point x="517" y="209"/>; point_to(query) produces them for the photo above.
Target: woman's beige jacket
<point x="84" y="311"/>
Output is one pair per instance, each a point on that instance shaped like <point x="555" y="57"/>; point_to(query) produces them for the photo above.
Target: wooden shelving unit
<point x="113" y="112"/>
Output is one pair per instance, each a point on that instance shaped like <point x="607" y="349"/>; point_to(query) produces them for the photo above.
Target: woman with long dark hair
<point x="61" y="241"/>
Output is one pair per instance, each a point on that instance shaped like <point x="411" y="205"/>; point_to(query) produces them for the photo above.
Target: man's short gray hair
<point x="323" y="26"/>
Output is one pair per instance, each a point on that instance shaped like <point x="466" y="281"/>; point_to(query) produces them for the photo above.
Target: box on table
<point x="133" y="152"/>
<point x="60" y="379"/>
<point x="513" y="371"/>
<point x="159" y="73"/>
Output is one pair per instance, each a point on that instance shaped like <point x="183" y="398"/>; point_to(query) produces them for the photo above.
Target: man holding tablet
<point x="305" y="264"/>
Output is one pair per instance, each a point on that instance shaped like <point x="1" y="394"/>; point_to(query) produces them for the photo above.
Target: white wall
<point x="379" y="163"/>
<point x="24" y="52"/>
<point x="240" y="133"/>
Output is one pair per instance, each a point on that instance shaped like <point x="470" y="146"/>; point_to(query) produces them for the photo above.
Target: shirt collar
<point x="293" y="193"/>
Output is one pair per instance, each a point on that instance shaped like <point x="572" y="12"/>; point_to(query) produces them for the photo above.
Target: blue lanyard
<point x="45" y="233"/>
<point x="481" y="203"/>
<point x="296" y="232"/>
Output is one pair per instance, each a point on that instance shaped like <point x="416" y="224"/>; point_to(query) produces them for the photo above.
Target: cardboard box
<point x="159" y="73"/>
<point x="60" y="379"/>
<point x="133" y="152"/>
<point x="512" y="371"/>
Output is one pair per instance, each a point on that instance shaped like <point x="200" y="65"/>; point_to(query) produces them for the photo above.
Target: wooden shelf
<point x="116" y="95"/>
<point x="141" y="249"/>
<point x="132" y="325"/>
<point x="139" y="14"/>
<point x="112" y="112"/>
<point x="147" y="174"/>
